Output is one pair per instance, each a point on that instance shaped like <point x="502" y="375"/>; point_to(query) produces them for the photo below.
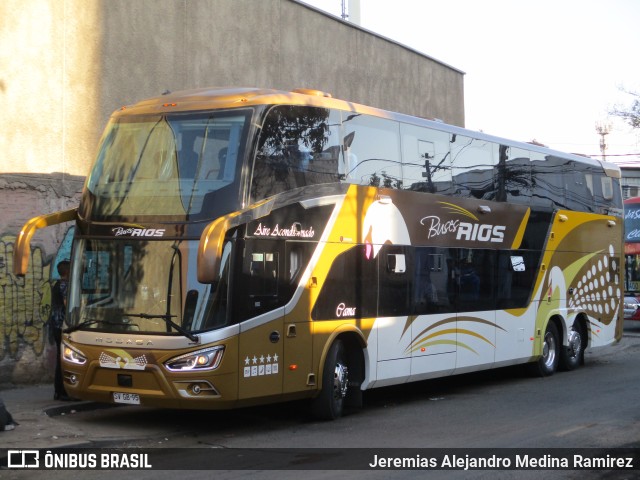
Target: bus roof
<point x="235" y="97"/>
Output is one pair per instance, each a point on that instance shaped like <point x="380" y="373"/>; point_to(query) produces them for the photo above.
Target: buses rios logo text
<point x="138" y="232"/>
<point x="467" y="231"/>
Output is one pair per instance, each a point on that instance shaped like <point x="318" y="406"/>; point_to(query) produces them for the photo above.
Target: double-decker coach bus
<point x="243" y="246"/>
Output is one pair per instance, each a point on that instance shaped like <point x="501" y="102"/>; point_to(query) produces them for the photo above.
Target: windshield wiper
<point x="80" y="325"/>
<point x="167" y="318"/>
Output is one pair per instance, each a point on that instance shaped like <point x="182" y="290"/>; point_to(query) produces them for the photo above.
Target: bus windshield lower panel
<point x="144" y="287"/>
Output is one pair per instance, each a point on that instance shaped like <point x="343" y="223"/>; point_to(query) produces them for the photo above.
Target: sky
<point x="548" y="70"/>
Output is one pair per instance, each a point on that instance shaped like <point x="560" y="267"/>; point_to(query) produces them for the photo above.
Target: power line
<point x="618" y="155"/>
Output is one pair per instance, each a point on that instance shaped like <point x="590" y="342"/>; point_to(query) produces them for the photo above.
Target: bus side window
<point x="516" y="270"/>
<point x="473" y="164"/>
<point x="548" y="174"/>
<point x="372" y="155"/>
<point x="430" y="284"/>
<point x="513" y="176"/>
<point x="351" y="287"/>
<point x="395" y="277"/>
<point x="606" y="192"/>
<point x="298" y="255"/>
<point x="263" y="276"/>
<point x="476" y="280"/>
<point x="579" y="187"/>
<point x="426" y="162"/>
<point x="607" y="188"/>
<point x="298" y="146"/>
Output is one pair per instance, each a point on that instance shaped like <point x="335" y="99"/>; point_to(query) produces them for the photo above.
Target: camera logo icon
<point x="23" y="459"/>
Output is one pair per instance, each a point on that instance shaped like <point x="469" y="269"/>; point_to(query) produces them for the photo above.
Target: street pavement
<point x="47" y="423"/>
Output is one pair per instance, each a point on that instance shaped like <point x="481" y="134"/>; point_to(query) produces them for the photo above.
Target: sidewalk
<point x="38" y="416"/>
<point x="47" y="423"/>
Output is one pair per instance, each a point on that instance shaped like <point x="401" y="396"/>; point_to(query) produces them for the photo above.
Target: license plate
<point x="130" y="398"/>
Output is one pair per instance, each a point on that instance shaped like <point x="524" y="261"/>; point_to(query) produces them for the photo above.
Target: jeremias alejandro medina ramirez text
<point x="516" y="462"/>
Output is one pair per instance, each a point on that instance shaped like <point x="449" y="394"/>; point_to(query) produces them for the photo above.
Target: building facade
<point x="630" y="180"/>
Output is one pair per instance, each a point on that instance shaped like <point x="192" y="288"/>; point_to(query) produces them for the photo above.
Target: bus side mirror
<point x="22" y="248"/>
<point x="210" y="250"/>
<point x="212" y="239"/>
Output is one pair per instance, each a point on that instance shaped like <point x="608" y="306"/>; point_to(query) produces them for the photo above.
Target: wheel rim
<point x="549" y="351"/>
<point x="575" y="344"/>
<point x="340" y="381"/>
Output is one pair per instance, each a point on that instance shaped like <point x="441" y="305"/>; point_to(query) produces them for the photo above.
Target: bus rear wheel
<point x="547" y="364"/>
<point x="329" y="404"/>
<point x="572" y="356"/>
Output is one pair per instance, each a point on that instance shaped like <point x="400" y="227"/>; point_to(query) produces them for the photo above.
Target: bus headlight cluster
<point x="73" y="355"/>
<point x="205" y="359"/>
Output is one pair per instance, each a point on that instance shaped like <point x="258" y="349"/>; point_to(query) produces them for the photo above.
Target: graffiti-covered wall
<point x="26" y="350"/>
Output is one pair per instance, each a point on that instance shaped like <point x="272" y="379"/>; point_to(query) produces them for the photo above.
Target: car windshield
<point x="167" y="165"/>
<point x="144" y="287"/>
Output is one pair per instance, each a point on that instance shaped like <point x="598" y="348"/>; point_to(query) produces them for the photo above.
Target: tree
<point x="631" y="115"/>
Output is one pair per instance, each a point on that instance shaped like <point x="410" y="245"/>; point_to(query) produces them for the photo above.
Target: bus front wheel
<point x="329" y="404"/>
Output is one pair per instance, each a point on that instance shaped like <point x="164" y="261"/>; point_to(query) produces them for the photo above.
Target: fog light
<point x="70" y="378"/>
<point x="196" y="388"/>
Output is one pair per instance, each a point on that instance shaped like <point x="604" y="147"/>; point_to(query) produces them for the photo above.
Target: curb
<point x="75" y="407"/>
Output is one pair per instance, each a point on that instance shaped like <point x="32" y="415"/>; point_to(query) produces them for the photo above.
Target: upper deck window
<point x="168" y="165"/>
<point x="301" y="146"/>
<point x="298" y="146"/>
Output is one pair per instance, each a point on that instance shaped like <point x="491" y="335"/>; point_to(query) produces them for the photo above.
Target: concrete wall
<point x="264" y="43"/>
<point x="67" y="64"/>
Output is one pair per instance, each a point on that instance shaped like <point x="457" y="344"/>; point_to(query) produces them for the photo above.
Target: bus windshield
<point x="167" y="165"/>
<point x="144" y="287"/>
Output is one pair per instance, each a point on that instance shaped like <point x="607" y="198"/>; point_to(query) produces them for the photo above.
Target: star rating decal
<point x="257" y="366"/>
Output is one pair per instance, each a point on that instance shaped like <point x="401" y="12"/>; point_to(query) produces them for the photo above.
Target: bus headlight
<point x="205" y="359"/>
<point x="73" y="355"/>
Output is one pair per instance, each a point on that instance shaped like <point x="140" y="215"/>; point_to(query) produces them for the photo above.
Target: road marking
<point x="574" y="429"/>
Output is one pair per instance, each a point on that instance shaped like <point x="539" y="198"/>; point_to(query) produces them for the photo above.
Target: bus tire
<point x="329" y="404"/>
<point x="547" y="364"/>
<point x="572" y="356"/>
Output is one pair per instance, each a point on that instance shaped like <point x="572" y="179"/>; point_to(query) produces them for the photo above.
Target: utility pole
<point x="351" y="11"/>
<point x="603" y="129"/>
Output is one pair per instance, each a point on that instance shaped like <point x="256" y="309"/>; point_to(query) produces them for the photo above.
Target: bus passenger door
<point x="394" y="300"/>
<point x="258" y="303"/>
<point x="297" y="334"/>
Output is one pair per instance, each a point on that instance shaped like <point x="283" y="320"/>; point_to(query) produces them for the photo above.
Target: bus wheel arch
<point x="572" y="354"/>
<point x="341" y="377"/>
